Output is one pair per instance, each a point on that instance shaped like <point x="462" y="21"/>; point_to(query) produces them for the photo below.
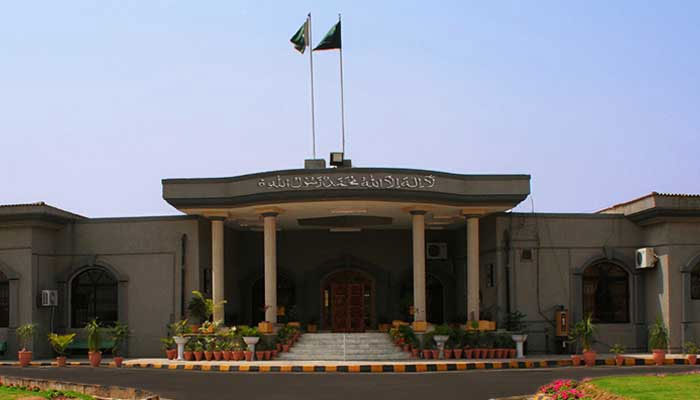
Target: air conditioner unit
<point x="436" y="251"/>
<point x="49" y="298"/>
<point x="645" y="258"/>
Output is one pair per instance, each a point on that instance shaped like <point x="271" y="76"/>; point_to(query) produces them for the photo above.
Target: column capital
<point x="216" y="218"/>
<point x="417" y="212"/>
<point x="268" y="211"/>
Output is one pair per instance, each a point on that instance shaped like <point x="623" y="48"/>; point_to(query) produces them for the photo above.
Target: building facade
<point x="349" y="248"/>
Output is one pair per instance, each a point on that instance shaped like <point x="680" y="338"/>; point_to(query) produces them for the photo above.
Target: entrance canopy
<point x="346" y="197"/>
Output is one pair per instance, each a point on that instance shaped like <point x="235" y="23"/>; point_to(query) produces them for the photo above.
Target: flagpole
<point x="342" y="95"/>
<point x="311" y="67"/>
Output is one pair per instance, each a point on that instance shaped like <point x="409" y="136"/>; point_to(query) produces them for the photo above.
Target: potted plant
<point x="251" y="336"/>
<point x="201" y="308"/>
<point x="515" y="323"/>
<point x="415" y="347"/>
<point x="490" y="341"/>
<point x="238" y="353"/>
<point x="260" y="351"/>
<point x="198" y="347"/>
<point x="25" y="333"/>
<point x="511" y="347"/>
<point x="120" y="333"/>
<point x="168" y="345"/>
<point x="468" y="344"/>
<point x="691" y="349"/>
<point x="218" y="350"/>
<point x="188" y="354"/>
<point x="440" y="334"/>
<point x="59" y="344"/>
<point x="456" y="339"/>
<point x="428" y="346"/>
<point x="584" y="332"/>
<point x="209" y="345"/>
<point x="312" y="326"/>
<point x="94" y="340"/>
<point x="658" y="341"/>
<point x="618" y="350"/>
<point x="178" y="330"/>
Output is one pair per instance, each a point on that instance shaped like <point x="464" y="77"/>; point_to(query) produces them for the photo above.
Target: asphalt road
<point x="484" y="384"/>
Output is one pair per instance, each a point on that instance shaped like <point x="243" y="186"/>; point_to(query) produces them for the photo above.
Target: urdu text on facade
<point x="370" y="181"/>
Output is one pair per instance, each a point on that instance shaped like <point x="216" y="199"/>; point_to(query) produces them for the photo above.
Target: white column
<point x="270" y="233"/>
<point x="217" y="266"/>
<point x="418" y="219"/>
<point x="473" y="268"/>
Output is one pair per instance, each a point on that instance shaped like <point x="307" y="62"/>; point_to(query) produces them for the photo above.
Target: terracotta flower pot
<point x="118" y="361"/>
<point x="218" y="355"/>
<point x="619" y="360"/>
<point x="468" y="353"/>
<point x="208" y="355"/>
<point x="575" y="360"/>
<point x="278" y="346"/>
<point x="448" y="353"/>
<point x="659" y="356"/>
<point x="260" y="355"/>
<point x="511" y="353"/>
<point x="95" y="358"/>
<point x="491" y="353"/>
<point x="171" y="354"/>
<point x="414" y="353"/>
<point x="198" y="355"/>
<point x="188" y="355"/>
<point x="238" y="355"/>
<point x="273" y="354"/>
<point x="226" y="354"/>
<point x="458" y="353"/>
<point x="692" y="359"/>
<point x="589" y="358"/>
<point x="248" y="355"/>
<point x="268" y="353"/>
<point x="436" y="353"/>
<point x="501" y="353"/>
<point x="427" y="354"/>
<point x="285" y="347"/>
<point x="25" y="357"/>
<point x="407" y="347"/>
<point x="61" y="361"/>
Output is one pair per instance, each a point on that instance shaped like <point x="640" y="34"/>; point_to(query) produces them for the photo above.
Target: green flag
<point x="331" y="40"/>
<point x="300" y="40"/>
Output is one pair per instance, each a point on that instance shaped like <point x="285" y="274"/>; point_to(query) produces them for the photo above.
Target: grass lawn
<point x="12" y="393"/>
<point x="670" y="387"/>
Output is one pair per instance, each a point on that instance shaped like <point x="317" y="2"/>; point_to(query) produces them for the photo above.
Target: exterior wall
<point x="144" y="254"/>
<point x="562" y="246"/>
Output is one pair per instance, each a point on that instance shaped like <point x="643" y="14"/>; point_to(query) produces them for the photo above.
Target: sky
<point x="99" y="100"/>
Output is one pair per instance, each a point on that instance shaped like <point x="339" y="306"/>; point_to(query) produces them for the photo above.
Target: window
<point x="93" y="295"/>
<point x="695" y="284"/>
<point x="606" y="293"/>
<point x="4" y="301"/>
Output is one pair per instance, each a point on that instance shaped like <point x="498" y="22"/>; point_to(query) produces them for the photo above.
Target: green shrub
<point x="92" y="330"/>
<point x="26" y="333"/>
<point x="658" y="335"/>
<point x="61" y="342"/>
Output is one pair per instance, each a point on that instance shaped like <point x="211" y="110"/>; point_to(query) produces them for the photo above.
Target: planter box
<point x="265" y="327"/>
<point x="483" y="326"/>
<point x="420" y="326"/>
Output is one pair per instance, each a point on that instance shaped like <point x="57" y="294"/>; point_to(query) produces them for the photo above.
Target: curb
<point x="360" y="368"/>
<point x="393" y="368"/>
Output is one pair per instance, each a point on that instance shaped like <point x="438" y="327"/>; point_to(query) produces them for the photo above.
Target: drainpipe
<point x="183" y="260"/>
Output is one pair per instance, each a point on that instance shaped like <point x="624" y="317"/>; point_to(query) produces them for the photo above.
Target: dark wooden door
<point x="347" y="307"/>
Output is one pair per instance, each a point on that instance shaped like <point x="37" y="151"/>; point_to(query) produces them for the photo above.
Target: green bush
<point x="26" y="333"/>
<point x="92" y="330"/>
<point x="61" y="342"/>
<point x="658" y="335"/>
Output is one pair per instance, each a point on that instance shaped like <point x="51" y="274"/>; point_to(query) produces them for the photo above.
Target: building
<point x="349" y="248"/>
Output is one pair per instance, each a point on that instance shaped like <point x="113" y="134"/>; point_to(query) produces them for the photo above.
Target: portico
<point x="346" y="212"/>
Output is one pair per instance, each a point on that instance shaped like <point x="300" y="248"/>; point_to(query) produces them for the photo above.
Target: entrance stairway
<point x="344" y="347"/>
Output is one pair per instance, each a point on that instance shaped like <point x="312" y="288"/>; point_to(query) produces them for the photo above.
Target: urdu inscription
<point x="370" y="181"/>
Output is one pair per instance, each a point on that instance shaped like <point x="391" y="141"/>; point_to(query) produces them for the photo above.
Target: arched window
<point x="695" y="283"/>
<point x="4" y="301"/>
<point x="94" y="295"/>
<point x="606" y="293"/>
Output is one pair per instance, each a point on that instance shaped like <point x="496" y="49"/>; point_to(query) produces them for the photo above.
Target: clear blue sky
<point x="99" y="100"/>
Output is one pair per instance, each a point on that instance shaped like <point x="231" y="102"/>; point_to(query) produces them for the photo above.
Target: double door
<point x="347" y="307"/>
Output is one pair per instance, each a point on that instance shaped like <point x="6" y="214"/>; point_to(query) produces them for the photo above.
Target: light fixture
<point x="344" y="229"/>
<point x="337" y="159"/>
<point x="349" y="211"/>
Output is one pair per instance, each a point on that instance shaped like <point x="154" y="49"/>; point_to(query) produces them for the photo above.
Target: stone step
<point x="375" y="346"/>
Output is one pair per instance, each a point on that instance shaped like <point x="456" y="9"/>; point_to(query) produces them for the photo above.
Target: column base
<point x="420" y="326"/>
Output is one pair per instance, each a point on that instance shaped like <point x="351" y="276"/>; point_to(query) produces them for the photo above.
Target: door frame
<point x="370" y="282"/>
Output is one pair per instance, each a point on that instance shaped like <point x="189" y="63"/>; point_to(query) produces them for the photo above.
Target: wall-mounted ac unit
<point x="49" y="298"/>
<point x="645" y="258"/>
<point x="436" y="251"/>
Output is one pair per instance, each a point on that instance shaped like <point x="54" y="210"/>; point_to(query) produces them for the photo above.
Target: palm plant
<point x="658" y="335"/>
<point x="201" y="307"/>
<point x="61" y="342"/>
<point x="120" y="333"/>
<point x="92" y="330"/>
<point x="584" y="332"/>
<point x="26" y="333"/>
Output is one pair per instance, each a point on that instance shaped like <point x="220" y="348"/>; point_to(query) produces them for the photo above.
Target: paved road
<point x="189" y="385"/>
